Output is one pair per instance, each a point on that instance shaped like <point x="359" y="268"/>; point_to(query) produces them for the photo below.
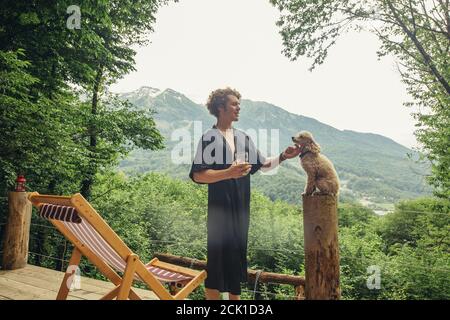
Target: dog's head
<point x="305" y="141"/>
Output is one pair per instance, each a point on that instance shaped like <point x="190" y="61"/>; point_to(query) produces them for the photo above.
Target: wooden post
<point x="320" y="225"/>
<point x="17" y="233"/>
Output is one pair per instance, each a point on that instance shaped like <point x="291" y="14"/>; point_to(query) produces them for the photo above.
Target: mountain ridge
<point x="265" y="103"/>
<point x="372" y="167"/>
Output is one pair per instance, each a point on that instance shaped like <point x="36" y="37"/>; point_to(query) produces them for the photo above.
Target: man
<point x="228" y="182"/>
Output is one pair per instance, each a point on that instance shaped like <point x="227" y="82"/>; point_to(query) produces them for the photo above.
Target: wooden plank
<point x="127" y="280"/>
<point x="49" y="274"/>
<point x="55" y="277"/>
<point x="32" y="282"/>
<point x="38" y="199"/>
<point x="175" y="268"/>
<point x="99" y="286"/>
<point x="83" y="293"/>
<point x="21" y="291"/>
<point x="111" y="295"/>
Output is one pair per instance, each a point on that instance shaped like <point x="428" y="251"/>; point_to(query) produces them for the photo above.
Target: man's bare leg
<point x="212" y="294"/>
<point x="234" y="297"/>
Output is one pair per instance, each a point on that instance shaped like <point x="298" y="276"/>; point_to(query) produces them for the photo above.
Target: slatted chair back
<point x="80" y="223"/>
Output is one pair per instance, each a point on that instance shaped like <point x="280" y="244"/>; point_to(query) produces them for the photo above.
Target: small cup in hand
<point x="241" y="157"/>
<point x="241" y="167"/>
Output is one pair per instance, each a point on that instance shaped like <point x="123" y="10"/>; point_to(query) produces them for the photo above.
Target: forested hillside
<point x="155" y="213"/>
<point x="372" y="168"/>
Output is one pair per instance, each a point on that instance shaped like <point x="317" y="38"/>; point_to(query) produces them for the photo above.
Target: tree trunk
<point x="426" y="57"/>
<point x="86" y="184"/>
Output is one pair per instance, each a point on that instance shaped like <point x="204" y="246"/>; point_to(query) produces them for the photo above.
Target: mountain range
<point x="373" y="169"/>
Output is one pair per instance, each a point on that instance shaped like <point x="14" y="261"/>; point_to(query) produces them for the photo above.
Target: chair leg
<point x="68" y="276"/>
<point x="183" y="293"/>
<point x="127" y="280"/>
<point x="133" y="295"/>
<point x="151" y="261"/>
<point x="111" y="295"/>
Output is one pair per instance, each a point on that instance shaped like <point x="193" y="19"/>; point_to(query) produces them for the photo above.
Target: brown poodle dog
<point x="322" y="177"/>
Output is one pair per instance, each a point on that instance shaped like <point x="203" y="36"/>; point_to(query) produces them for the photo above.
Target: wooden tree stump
<point x="320" y="225"/>
<point x="17" y="233"/>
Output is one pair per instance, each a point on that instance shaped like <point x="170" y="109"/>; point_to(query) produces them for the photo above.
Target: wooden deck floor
<point x="36" y="283"/>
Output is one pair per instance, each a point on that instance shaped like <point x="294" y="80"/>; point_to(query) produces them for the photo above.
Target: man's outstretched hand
<point x="291" y="152"/>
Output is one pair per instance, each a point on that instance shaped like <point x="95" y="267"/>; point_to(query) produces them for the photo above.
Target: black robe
<point x="228" y="209"/>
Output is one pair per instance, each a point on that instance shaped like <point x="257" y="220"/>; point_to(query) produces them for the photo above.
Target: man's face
<point x="231" y="111"/>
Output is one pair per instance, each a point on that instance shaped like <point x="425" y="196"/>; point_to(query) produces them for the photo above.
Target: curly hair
<point x="218" y="98"/>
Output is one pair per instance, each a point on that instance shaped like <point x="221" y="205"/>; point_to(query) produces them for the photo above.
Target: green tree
<point x="86" y="135"/>
<point x="37" y="132"/>
<point x="109" y="29"/>
<point x="416" y="32"/>
<point x="52" y="134"/>
<point x="424" y="220"/>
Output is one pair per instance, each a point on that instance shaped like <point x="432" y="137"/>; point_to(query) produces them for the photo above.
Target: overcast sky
<point x="201" y="45"/>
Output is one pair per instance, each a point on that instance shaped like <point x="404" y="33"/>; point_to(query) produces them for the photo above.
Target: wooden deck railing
<point x="253" y="276"/>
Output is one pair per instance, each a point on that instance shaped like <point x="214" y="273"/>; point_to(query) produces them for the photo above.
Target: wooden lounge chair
<point x="93" y="238"/>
